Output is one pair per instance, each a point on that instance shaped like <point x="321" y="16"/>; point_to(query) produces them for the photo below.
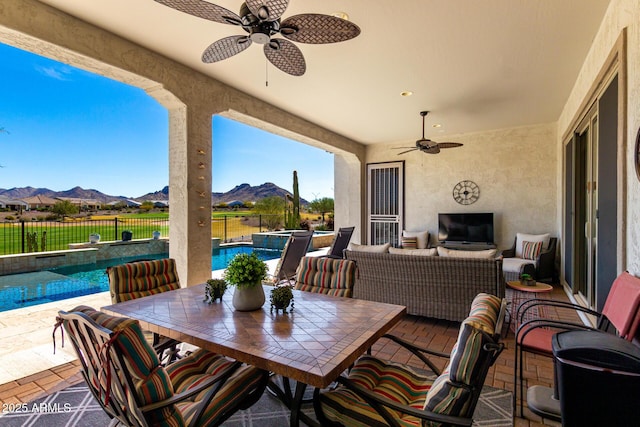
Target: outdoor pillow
<point x="384" y="248"/>
<point x="409" y="242"/>
<point x="531" y="250"/>
<point x="418" y="252"/>
<point x="422" y="236"/>
<point x="452" y="253"/>
<point x="520" y="237"/>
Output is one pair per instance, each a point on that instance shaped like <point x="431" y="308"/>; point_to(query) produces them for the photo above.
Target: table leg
<point x="296" y="404"/>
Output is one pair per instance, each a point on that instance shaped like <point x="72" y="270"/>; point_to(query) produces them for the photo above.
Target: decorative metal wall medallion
<point x="466" y="192"/>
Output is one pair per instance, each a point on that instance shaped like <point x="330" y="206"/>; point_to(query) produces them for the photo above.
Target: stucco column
<point x="347" y="178"/>
<point x="190" y="193"/>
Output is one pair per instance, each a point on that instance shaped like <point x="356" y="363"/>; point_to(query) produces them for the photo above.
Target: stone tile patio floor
<point x="28" y="368"/>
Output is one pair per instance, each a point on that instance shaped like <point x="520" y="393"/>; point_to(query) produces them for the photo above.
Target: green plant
<point x="245" y="271"/>
<point x="214" y="289"/>
<point x="280" y="298"/>
<point x="292" y="206"/>
<point x="322" y="206"/>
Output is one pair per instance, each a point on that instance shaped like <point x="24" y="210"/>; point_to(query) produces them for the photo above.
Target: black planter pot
<point x="126" y="236"/>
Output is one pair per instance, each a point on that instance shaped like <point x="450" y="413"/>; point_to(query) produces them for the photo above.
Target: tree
<point x="63" y="208"/>
<point x="321" y="206"/>
<point x="273" y="208"/>
<point x="147" y="206"/>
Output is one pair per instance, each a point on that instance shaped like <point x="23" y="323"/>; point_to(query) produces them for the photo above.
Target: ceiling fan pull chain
<point x="266" y="72"/>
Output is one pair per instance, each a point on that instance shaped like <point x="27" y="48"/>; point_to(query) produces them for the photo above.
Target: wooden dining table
<point x="312" y="345"/>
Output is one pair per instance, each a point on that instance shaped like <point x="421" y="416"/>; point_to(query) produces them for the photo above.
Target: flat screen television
<point x="467" y="227"/>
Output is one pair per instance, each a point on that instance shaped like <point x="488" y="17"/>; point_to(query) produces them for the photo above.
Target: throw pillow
<point x="409" y="242"/>
<point x="418" y="252"/>
<point x="452" y="253"/>
<point x="521" y="237"/>
<point x="422" y="236"/>
<point x="531" y="250"/>
<point x="384" y="248"/>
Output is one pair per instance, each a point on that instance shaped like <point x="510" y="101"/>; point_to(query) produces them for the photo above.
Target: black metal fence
<point x="38" y="236"/>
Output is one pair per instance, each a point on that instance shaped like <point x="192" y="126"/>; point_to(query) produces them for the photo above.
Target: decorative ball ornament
<point x="466" y="192"/>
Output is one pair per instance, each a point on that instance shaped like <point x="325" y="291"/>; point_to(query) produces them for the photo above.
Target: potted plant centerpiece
<point x="281" y="297"/>
<point x="246" y="272"/>
<point x="214" y="289"/>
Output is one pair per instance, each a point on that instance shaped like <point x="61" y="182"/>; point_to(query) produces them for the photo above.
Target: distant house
<point x="160" y="203"/>
<point x="39" y="202"/>
<point x="82" y="203"/>
<point x="13" y="204"/>
<point x="132" y="203"/>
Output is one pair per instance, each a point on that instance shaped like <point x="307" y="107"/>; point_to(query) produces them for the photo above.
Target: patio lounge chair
<point x="142" y="278"/>
<point x="126" y="378"/>
<point x="340" y="242"/>
<point x="295" y="248"/>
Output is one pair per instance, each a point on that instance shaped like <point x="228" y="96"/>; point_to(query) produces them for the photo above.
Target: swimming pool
<point x="27" y="289"/>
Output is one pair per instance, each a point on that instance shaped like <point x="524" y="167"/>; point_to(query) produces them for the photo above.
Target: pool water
<point x="27" y="289"/>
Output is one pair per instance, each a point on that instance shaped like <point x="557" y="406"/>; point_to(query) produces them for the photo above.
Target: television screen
<point x="468" y="227"/>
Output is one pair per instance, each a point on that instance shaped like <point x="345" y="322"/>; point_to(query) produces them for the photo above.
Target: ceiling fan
<point x="426" y="145"/>
<point x="261" y="20"/>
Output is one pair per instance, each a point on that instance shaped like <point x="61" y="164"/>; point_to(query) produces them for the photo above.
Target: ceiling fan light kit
<point x="261" y="20"/>
<point x="426" y="145"/>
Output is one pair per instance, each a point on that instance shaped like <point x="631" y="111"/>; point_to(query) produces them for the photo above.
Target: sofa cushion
<point x="453" y="253"/>
<point x="418" y="252"/>
<point x="422" y="236"/>
<point x="384" y="248"/>
<point x="531" y="250"/>
<point x="326" y="276"/>
<point x="521" y="237"/>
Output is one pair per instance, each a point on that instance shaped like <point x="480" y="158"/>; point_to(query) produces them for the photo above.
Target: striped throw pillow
<point x="409" y="242"/>
<point x="531" y="250"/>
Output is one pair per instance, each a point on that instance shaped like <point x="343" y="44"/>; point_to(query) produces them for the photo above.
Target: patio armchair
<point x="620" y="315"/>
<point x="125" y="376"/>
<point x="531" y="254"/>
<point x="378" y="392"/>
<point x="340" y="242"/>
<point x="296" y="247"/>
<point x="143" y="278"/>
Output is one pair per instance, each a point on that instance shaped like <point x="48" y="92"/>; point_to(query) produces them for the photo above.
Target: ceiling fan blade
<point x="402" y="148"/>
<point x="225" y="48"/>
<point x="315" y="28"/>
<point x="203" y="9"/>
<point x="267" y="10"/>
<point x="413" y="149"/>
<point x="449" y="144"/>
<point x="286" y="56"/>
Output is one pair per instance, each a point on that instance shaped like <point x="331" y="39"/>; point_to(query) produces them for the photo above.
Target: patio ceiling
<point x="476" y="65"/>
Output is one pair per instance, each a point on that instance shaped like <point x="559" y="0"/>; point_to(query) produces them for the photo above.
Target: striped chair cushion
<point x="531" y="250"/>
<point x="326" y="276"/>
<point x="199" y="366"/>
<point x="151" y="381"/>
<point x="397" y="382"/>
<point x="142" y="278"/>
<point x="450" y="393"/>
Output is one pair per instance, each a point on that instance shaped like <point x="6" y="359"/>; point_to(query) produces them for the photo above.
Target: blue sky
<point x="68" y="127"/>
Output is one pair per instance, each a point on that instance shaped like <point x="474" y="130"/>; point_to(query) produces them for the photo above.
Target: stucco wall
<point x="514" y="168"/>
<point x="621" y="14"/>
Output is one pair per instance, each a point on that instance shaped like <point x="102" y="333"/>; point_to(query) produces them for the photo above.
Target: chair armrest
<point x="380" y="403"/>
<point x="419" y="352"/>
<point x="530" y="325"/>
<point x="525" y="306"/>
<point x="220" y="377"/>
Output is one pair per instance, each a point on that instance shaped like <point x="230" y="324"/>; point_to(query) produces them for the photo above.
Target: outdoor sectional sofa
<point x="431" y="286"/>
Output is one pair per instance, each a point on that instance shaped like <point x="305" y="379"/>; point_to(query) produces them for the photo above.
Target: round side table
<point x="520" y="293"/>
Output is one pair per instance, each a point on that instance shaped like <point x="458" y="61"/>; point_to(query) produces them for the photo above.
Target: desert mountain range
<point x="242" y="192"/>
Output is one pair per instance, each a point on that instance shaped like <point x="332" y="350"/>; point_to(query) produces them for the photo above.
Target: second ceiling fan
<point x="426" y="145"/>
<point x="261" y="20"/>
